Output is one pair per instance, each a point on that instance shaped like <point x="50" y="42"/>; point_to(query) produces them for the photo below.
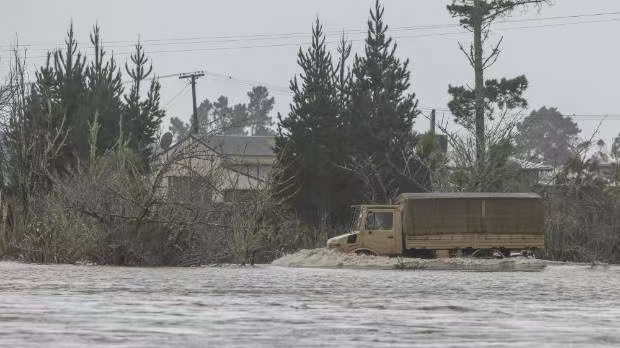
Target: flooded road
<point x="271" y="306"/>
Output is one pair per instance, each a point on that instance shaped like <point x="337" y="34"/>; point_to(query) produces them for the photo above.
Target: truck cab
<point x="375" y="230"/>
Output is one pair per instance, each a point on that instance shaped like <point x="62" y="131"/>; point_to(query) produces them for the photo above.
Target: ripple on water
<point x="75" y="306"/>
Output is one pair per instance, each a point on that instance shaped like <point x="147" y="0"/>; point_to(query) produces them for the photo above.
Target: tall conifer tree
<point x="381" y="117"/>
<point x="308" y="143"/>
<point x="142" y="115"/>
<point x="105" y="90"/>
<point x="69" y="68"/>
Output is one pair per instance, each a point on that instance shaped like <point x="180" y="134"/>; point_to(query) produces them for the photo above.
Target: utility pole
<point x="478" y="64"/>
<point x="193" y="77"/>
<point x="432" y="130"/>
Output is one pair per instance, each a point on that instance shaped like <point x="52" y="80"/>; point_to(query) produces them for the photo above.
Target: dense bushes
<point x="113" y="214"/>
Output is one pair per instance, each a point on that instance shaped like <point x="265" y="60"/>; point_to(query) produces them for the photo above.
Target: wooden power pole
<point x="478" y="64"/>
<point x="432" y="130"/>
<point x="193" y="77"/>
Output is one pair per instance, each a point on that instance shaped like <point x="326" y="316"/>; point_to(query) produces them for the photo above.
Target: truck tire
<point x="365" y="252"/>
<point x="487" y="254"/>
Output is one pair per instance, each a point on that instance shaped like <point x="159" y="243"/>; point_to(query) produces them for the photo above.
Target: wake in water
<point x="329" y="258"/>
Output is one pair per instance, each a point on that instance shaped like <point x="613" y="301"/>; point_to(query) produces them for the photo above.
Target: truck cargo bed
<point x="472" y="220"/>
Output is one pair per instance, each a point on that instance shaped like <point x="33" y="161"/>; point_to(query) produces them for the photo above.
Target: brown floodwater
<point x="272" y="306"/>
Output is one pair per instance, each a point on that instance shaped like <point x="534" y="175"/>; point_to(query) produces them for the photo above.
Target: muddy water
<point x="272" y="306"/>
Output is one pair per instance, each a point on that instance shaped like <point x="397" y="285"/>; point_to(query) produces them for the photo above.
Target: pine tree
<point x="547" y="136"/>
<point x="381" y="118"/>
<point x="70" y="85"/>
<point x="214" y="118"/>
<point x="308" y="140"/>
<point x="142" y="117"/>
<point x="105" y="89"/>
<point x="342" y="75"/>
<point x="239" y="119"/>
<point x="179" y="129"/>
<point x="259" y="107"/>
<point x="205" y="117"/>
<point x="221" y="115"/>
<point x="58" y="103"/>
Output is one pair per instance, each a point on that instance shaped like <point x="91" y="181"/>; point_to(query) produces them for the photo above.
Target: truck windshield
<point x="355" y="219"/>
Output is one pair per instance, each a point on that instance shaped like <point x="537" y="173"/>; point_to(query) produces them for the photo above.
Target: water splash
<point x="329" y="258"/>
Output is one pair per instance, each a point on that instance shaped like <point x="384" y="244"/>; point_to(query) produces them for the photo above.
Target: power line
<point x="251" y="83"/>
<point x="575" y="117"/>
<point x="297" y="44"/>
<point x="295" y="34"/>
<point x="129" y="81"/>
<point x="155" y="77"/>
<point x="284" y="90"/>
<point x="171" y="101"/>
<point x="256" y="37"/>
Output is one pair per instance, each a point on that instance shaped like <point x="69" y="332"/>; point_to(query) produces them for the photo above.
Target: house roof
<point x="442" y="195"/>
<point x="238" y="145"/>
<point x="230" y="145"/>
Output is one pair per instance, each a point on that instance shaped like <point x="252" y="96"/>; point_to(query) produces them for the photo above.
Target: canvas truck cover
<point x="472" y="213"/>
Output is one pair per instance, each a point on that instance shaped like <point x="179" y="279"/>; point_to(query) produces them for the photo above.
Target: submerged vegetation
<point x="87" y="176"/>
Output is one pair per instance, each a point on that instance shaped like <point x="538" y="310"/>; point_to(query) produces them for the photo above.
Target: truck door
<point x="379" y="234"/>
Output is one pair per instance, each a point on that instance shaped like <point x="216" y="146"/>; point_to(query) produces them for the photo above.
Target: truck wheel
<point x="487" y="254"/>
<point x="365" y="252"/>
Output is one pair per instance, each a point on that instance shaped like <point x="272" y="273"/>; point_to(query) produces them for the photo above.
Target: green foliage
<point x="178" y="128"/>
<point x="230" y="120"/>
<point x="499" y="97"/>
<point x="582" y="222"/>
<point x="142" y="116"/>
<point x="472" y="107"/>
<point x="381" y="116"/>
<point x="427" y="149"/>
<point x="382" y="110"/>
<point x="489" y="10"/>
<point x="348" y="136"/>
<point x="58" y="102"/>
<point x="310" y="143"/>
<point x="59" y="236"/>
<point x="343" y="76"/>
<point x="45" y="125"/>
<point x="222" y="114"/>
<point x="67" y="103"/>
<point x="104" y="90"/>
<point x="240" y="119"/>
<point x="72" y="115"/>
<point x="547" y="136"/>
<point x="48" y="131"/>
<point x="258" y="109"/>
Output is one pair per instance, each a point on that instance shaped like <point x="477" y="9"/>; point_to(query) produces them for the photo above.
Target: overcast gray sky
<point x="571" y="62"/>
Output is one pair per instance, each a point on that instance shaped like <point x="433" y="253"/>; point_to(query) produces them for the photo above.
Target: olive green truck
<point x="447" y="225"/>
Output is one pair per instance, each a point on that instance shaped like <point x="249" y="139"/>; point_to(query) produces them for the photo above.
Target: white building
<point x="218" y="167"/>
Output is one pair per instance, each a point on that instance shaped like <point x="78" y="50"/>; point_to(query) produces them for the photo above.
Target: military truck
<point x="447" y="225"/>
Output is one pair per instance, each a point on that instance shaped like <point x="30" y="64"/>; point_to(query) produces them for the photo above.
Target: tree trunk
<point x="479" y="92"/>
